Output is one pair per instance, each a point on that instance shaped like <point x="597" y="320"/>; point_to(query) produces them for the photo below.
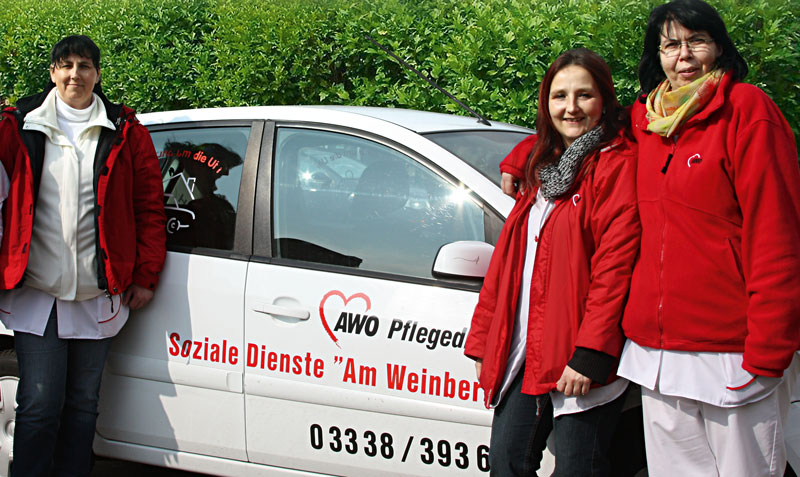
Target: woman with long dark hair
<point x="545" y="334"/>
<point x="713" y="318"/>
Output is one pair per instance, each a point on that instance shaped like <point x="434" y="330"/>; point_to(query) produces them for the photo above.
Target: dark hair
<point x="695" y="15"/>
<point x="549" y="144"/>
<point x="80" y="45"/>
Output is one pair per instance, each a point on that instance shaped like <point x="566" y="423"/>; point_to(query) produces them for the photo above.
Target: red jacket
<point x="129" y="213"/>
<point x="720" y="261"/>
<point x="583" y="264"/>
<point x="516" y="160"/>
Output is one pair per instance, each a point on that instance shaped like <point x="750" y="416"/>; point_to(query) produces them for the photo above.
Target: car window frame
<point x="428" y="134"/>
<point x="262" y="230"/>
<point x="243" y="234"/>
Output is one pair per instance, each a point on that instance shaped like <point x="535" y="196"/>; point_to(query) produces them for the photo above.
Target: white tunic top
<point x="710" y="377"/>
<point x="27" y="309"/>
<point x="561" y="404"/>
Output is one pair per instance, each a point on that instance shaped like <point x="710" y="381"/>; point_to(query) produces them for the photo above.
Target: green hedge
<point x="170" y="54"/>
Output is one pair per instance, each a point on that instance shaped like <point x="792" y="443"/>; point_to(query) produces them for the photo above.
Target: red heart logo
<point x="345" y="301"/>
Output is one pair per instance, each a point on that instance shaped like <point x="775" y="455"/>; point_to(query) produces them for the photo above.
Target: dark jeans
<point x="522" y="423"/>
<point x="59" y="383"/>
<point x="583" y="440"/>
<point x="520" y="428"/>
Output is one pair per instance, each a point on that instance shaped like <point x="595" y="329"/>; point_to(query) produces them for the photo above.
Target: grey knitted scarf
<point x="557" y="178"/>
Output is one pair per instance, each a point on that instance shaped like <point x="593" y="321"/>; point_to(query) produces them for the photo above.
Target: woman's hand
<point x="573" y="383"/>
<point x="508" y="184"/>
<point x="137" y="297"/>
<point x="478" y="364"/>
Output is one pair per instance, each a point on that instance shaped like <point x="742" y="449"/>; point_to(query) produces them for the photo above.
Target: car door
<point x="353" y="349"/>
<point x="174" y="374"/>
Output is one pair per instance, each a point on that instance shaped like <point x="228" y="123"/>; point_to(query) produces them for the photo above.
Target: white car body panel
<point x="151" y="397"/>
<point x="354" y="391"/>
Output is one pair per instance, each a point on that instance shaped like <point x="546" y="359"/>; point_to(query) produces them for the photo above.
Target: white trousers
<point x="687" y="438"/>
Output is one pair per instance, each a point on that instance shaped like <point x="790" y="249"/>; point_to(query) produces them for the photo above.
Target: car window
<point x="348" y="201"/>
<point x="201" y="170"/>
<point x="483" y="150"/>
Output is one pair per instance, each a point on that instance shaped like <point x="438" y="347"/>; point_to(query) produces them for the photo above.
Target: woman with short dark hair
<point x="84" y="241"/>
<point x="713" y="317"/>
<point x="545" y="333"/>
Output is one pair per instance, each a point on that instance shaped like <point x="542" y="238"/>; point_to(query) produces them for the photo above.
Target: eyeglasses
<point x="672" y="48"/>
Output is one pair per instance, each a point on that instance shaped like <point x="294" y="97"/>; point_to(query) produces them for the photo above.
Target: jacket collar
<point x="720" y="95"/>
<point x="114" y="111"/>
<point x="45" y="118"/>
<point x="29" y="103"/>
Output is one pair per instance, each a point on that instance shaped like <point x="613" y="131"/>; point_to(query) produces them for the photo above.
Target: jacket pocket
<point x="734" y="246"/>
<point x="741" y="386"/>
<point x="111" y="315"/>
<point x="736" y="377"/>
<point x="108" y="308"/>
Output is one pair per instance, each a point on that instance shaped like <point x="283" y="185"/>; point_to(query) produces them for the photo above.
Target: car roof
<point x="421" y="122"/>
<point x="424" y="121"/>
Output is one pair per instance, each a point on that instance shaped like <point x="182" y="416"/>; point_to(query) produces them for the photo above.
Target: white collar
<point x="45" y="117"/>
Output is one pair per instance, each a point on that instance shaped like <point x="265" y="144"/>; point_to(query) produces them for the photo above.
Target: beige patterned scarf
<point x="668" y="110"/>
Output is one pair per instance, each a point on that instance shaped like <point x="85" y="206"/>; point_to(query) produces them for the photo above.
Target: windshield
<point x="483" y="150"/>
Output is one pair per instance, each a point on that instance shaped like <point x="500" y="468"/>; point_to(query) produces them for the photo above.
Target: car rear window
<point x="483" y="150"/>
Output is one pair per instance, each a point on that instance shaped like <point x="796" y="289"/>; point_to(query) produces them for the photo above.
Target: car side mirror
<point x="464" y="259"/>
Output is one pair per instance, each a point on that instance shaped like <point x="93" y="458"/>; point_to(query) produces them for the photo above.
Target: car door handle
<point x="297" y="313"/>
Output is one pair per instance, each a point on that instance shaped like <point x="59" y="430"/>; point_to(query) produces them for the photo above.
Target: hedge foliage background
<point x="174" y="54"/>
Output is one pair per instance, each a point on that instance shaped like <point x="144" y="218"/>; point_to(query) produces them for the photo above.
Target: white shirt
<point x="598" y="396"/>
<point x="709" y="377"/>
<point x="27" y="310"/>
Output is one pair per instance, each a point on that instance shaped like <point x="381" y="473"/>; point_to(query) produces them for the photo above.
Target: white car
<point x="300" y="325"/>
<point x="323" y="266"/>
